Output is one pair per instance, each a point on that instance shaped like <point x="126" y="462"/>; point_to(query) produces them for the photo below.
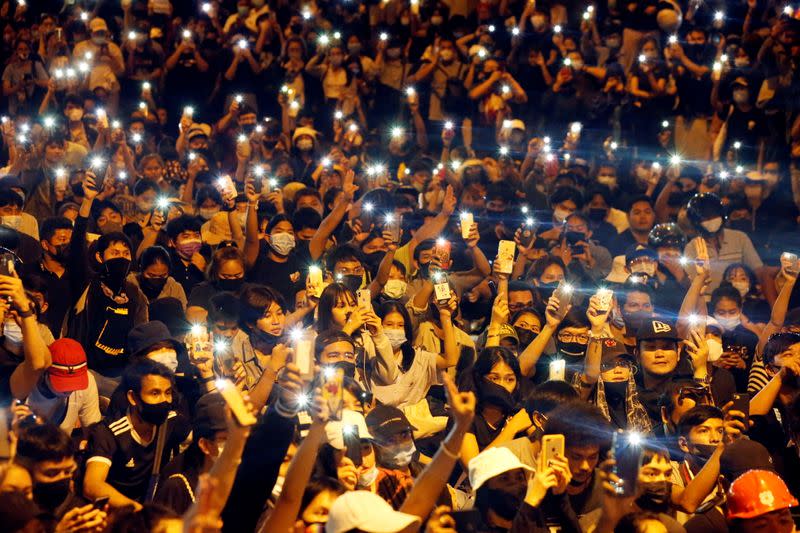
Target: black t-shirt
<point x="286" y="278"/>
<point x="5" y="383"/>
<point x="747" y="127"/>
<point x="130" y="460"/>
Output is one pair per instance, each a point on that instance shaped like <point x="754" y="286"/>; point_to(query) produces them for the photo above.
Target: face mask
<point x="654" y="496"/>
<point x="305" y="145"/>
<point x="263" y="341"/>
<point x="397" y="337"/>
<point x="373" y="260"/>
<point x="188" y="248"/>
<point x="354" y="48"/>
<point x="144" y="206"/>
<point x="505" y="504"/>
<point x="597" y="214"/>
<point x="352" y="281"/>
<point x="741" y="96"/>
<point x="229" y="285"/>
<point x="151" y="287"/>
<point x="348" y="367"/>
<point x="560" y="214"/>
<point x="714" y="350"/>
<point x="395" y="288"/>
<point x="153" y="413"/>
<point x="50" y="495"/>
<point x="742" y="286"/>
<point x="396" y="456"/>
<point x="393" y="53"/>
<point x="615" y="389"/>
<point x="436" y="21"/>
<point x="493" y="394"/>
<point x="546" y="290"/>
<point x="538" y="22"/>
<point x="282" y="243"/>
<point x="729" y="323"/>
<point x="651" y="56"/>
<point x="366" y="479"/>
<point x="713" y="225"/>
<point x="12" y="332"/>
<point x="167" y="358"/>
<point x="703" y="451"/>
<point x="99" y="40"/>
<point x="75" y="114"/>
<point x="605" y="179"/>
<point x="525" y="336"/>
<point x="741" y="62"/>
<point x="206" y="213"/>
<point x="634" y="321"/>
<point x="447" y="55"/>
<point x="571" y="349"/>
<point x="110" y="227"/>
<point x="424" y="270"/>
<point x="114" y="272"/>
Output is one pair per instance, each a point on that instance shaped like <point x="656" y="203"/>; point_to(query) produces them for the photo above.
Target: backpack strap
<point x="185" y="483"/>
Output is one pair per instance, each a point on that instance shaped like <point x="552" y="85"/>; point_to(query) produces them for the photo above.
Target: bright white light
<point x="529" y="221"/>
<point x="328" y="372"/>
<point x="723" y="58"/>
<point x="146" y="86"/>
<point x="88" y="56"/>
<point x="464" y="214"/>
<point x="448" y="125"/>
<point x="273" y="182"/>
<point x="295" y="104"/>
<point x="142" y="105"/>
<point x="441" y="241"/>
<point x="84" y="16"/>
<point x="116" y="124"/>
<point x="353" y="127"/>
<point x="566" y="288"/>
<point x="504" y="150"/>
<point x="206" y="7"/>
<point x="634" y="439"/>
<point x="524" y="209"/>
<point x="186" y="34"/>
<point x="693" y="319"/>
<point x="306" y="14"/>
<point x="220" y="346"/>
<point x="590" y="9"/>
<point x="295" y="334"/>
<point x="97" y="162"/>
<point x="239" y="98"/>
<point x="672" y="39"/>
<point x="22" y="138"/>
<point x="368" y="207"/>
<point x="717" y="66"/>
<point x="70" y="72"/>
<point x="384" y="36"/>
<point x="546" y="140"/>
<point x="122" y="175"/>
<point x="506" y="89"/>
<point x="787" y="10"/>
<point x="549" y="158"/>
<point x="683" y="260"/>
<point x="656" y="165"/>
<point x="587" y="15"/>
<point x="613" y="145"/>
<point x="49" y="122"/>
<point x="642" y="58"/>
<point x="131" y="35"/>
<point x="719" y="15"/>
<point x="665" y="123"/>
<point x="455" y="164"/>
<point x="163" y="203"/>
<point x="259" y="129"/>
<point x="567" y="157"/>
<point x="196" y="329"/>
<point x="675" y="159"/>
<point x="83" y="66"/>
<point x="242" y="138"/>
<point x="58" y="73"/>
<point x="567" y="62"/>
<point x="337" y="35"/>
<point x="575" y="127"/>
<point x="60" y="172"/>
<point x="242" y="44"/>
<point x="25" y="128"/>
<point x="348" y="430"/>
<point x="557" y="28"/>
<point x="410" y="91"/>
<point x="723" y="174"/>
<point x="258" y="170"/>
<point x="326" y="162"/>
<point x="515" y="31"/>
<point x="397" y="131"/>
<point x="192" y="156"/>
<point x="303" y="399"/>
<point x="739" y="169"/>
<point x="737" y="145"/>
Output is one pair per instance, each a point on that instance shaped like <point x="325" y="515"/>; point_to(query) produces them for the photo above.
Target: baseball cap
<point x="365" y="511"/>
<point x="98" y="24"/>
<point x="386" y="421"/>
<point x="334" y="430"/>
<point x="68" y="371"/>
<point x="491" y="463"/>
<point x="198" y="130"/>
<point x="655" y="328"/>
<point x="741" y="80"/>
<point x="209" y="415"/>
<point x="507" y="331"/>
<point x="613" y="349"/>
<point x="638" y="251"/>
<point x="148" y="334"/>
<point x="742" y="455"/>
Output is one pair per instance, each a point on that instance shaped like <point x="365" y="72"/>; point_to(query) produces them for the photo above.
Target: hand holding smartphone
<point x="552" y="446"/>
<point x="235" y="401"/>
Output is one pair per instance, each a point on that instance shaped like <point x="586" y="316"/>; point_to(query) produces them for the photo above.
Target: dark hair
<point x="640" y="198"/>
<point x="274" y="221"/>
<point x="564" y="193"/>
<point x="549" y="395"/>
<point x="598" y="189"/>
<point x="144" y="520"/>
<point x="223" y="255"/>
<point x="751" y="276"/>
<point x="541" y="265"/>
<point x="51" y="224"/>
<point x="423" y="246"/>
<point x="142" y="186"/>
<point x="582" y="424"/>
<point x="523" y="286"/>
<point x="631" y="286"/>
<point x="315" y="486"/>
<point x="9" y="196"/>
<point x="307" y="191"/>
<point x="138" y="369"/>
<point x="43" y="442"/>
<point x="777" y="344"/>
<point x="178" y="225"/>
<point x="330" y="336"/>
<point x="223" y="307"/>
<point x="111" y="238"/>
<point x="333" y="294"/>
<point x="152" y="255"/>
<point x="344" y="252"/>
<point x="672" y="390"/>
<point x="306" y="217"/>
<point x="696" y="416"/>
<point x="204" y="193"/>
<point x="254" y="302"/>
<point x="393" y="306"/>
<point x="487" y="358"/>
<point x="725" y="290"/>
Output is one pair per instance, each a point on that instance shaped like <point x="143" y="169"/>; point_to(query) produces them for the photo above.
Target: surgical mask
<point x="12" y="332"/>
<point x="654" y="496"/>
<point x="168" y="358"/>
<point x="395" y="288"/>
<point x="714" y="349"/>
<point x="207" y="213"/>
<point x="447" y="54"/>
<point x="396" y="456"/>
<point x="606" y="179"/>
<point x="713" y="225"/>
<point x="75" y="114"/>
<point x="282" y="243"/>
<point x="153" y="413"/>
<point x="188" y="248"/>
<point x="144" y="206"/>
<point x="560" y="214"/>
<point x="366" y="479"/>
<point x="741" y="62"/>
<point x="741" y="96"/>
<point x="304" y="145"/>
<point x="729" y="323"/>
<point x="436" y="20"/>
<point x="742" y="286"/>
<point x="397" y="337"/>
<point x="51" y="495"/>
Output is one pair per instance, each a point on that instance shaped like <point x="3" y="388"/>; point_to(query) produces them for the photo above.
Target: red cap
<point x="69" y="371"/>
<point x="758" y="492"/>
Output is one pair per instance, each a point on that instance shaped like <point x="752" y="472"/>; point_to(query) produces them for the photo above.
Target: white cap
<point x="363" y="510"/>
<point x="491" y="463"/>
<point x="618" y="273"/>
<point x="335" y="428"/>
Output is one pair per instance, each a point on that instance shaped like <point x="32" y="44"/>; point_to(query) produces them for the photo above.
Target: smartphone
<point x="627" y="453"/>
<point x="393" y="225"/>
<point x="352" y="444"/>
<point x="315" y="279"/>
<point x="7" y="264"/>
<point x="304" y="356"/>
<point x="505" y="256"/>
<point x="234" y="399"/>
<point x="789" y="262"/>
<point x="364" y="297"/>
<point x="564" y="294"/>
<point x="333" y="393"/>
<point x="442" y="250"/>
<point x="469" y="521"/>
<point x="558" y="370"/>
<point x="604" y="297"/>
<point x="226" y="186"/>
<point x="552" y="446"/>
<point x="466" y="224"/>
<point x="101" y="502"/>
<point x="741" y="402"/>
<point x="442" y="290"/>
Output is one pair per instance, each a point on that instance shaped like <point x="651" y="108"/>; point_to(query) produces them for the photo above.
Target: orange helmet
<point x="757" y="492"/>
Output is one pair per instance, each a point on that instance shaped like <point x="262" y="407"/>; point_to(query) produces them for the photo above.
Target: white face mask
<point x="395" y="288"/>
<point x="366" y="479"/>
<point x="12" y="332"/>
<point x="282" y="243"/>
<point x="742" y="286"/>
<point x="729" y="323"/>
<point x="168" y="358"/>
<point x="714" y="349"/>
<point x="206" y="213"/>
<point x="713" y="225"/>
<point x="397" y="337"/>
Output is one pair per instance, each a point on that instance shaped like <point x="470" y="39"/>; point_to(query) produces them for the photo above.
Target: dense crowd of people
<point x="399" y="265"/>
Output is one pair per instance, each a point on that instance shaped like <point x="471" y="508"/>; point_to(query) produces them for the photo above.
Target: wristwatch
<point x="27" y="313"/>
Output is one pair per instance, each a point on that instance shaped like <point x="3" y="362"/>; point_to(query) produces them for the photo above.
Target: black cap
<point x="146" y="335"/>
<point x="637" y="250"/>
<point x="209" y="416"/>
<point x="613" y="349"/>
<point x="742" y="455"/>
<point x="385" y="421"/>
<point x="656" y="328"/>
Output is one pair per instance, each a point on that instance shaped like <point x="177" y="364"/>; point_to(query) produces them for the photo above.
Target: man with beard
<point x="122" y="450"/>
<point x="55" y="235"/>
<point x="108" y="306"/>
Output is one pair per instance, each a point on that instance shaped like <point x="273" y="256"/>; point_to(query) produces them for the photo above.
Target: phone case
<point x="604" y="298"/>
<point x="226" y="186"/>
<point x="628" y="459"/>
<point x="315" y="279"/>
<point x="442" y="250"/>
<point x="304" y="357"/>
<point x="442" y="291"/>
<point x="235" y="401"/>
<point x="364" y="299"/>
<point x="564" y="297"/>
<point x="466" y="224"/>
<point x="332" y="393"/>
<point x="393" y="225"/>
<point x="552" y="445"/>
<point x="505" y="256"/>
<point x="558" y="369"/>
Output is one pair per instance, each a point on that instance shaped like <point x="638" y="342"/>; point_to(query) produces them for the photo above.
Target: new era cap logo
<point x="661" y="327"/>
<point x="766" y="498"/>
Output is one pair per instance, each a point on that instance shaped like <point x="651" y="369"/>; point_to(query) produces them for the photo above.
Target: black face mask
<point x="654" y="496"/>
<point x="248" y="129"/>
<point x="615" y="389"/>
<point x="677" y="199"/>
<point x="597" y="214"/>
<point x="373" y="260"/>
<point x="546" y="290"/>
<point x="495" y="395"/>
<point x="77" y="189"/>
<point x="505" y="504"/>
<point x="264" y="342"/>
<point x="352" y="281"/>
<point x="424" y="270"/>
<point x="703" y="452"/>
<point x="296" y="28"/>
<point x="151" y="287"/>
<point x="348" y="368"/>
<point x="525" y="336"/>
<point x="571" y="349"/>
<point x="230" y="285"/>
<point x="113" y="273"/>
<point x="61" y="252"/>
<point x="634" y="321"/>
<point x="49" y="496"/>
<point x="154" y="413"/>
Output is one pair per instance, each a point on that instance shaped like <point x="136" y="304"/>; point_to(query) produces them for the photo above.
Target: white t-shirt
<point x="411" y="386"/>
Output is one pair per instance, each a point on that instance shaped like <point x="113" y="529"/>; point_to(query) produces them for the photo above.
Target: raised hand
<point x="462" y="404"/>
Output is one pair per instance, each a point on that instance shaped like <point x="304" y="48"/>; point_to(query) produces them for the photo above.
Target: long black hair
<point x="332" y="295"/>
<point x="473" y="376"/>
<point x="393" y="306"/>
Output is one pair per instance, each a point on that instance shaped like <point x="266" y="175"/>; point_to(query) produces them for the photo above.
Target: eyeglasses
<point x="580" y="338"/>
<point x="698" y="394"/>
<point x="611" y="365"/>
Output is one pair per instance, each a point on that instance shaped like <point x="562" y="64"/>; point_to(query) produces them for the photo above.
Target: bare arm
<point x="95" y="486"/>
<point x="317" y="244"/>
<point x="530" y="356"/>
